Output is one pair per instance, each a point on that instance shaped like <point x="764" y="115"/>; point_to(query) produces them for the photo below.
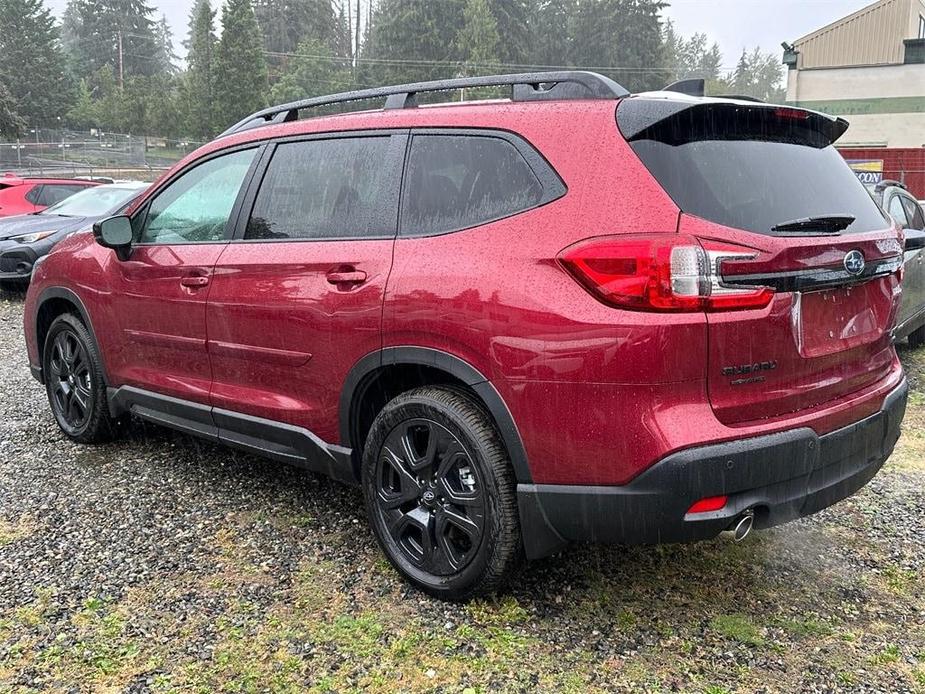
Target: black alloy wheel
<point x="74" y="381"/>
<point x="440" y="493"/>
<point x="70" y="384"/>
<point x="430" y="497"/>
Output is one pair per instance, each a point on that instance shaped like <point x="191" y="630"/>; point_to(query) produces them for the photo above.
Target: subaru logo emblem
<point x="855" y="263"/>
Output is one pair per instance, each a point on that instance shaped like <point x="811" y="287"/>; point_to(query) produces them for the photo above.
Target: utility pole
<point x="121" y="74"/>
<point x="356" y="45"/>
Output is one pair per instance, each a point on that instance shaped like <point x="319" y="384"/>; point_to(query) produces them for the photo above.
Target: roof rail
<point x="530" y="86"/>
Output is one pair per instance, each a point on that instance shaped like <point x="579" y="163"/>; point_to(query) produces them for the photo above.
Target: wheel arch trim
<point x="361" y="374"/>
<point x="70" y="296"/>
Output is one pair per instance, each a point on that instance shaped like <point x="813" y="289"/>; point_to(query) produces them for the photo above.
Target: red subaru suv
<point x="571" y="315"/>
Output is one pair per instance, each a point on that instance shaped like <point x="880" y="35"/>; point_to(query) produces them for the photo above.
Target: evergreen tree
<point x="11" y="124"/>
<point x="32" y="64"/>
<point x="198" y="85"/>
<point x="313" y="72"/>
<point x="410" y="40"/>
<point x="98" y="28"/>
<point x="478" y="40"/>
<point x="691" y="58"/>
<point x="240" y="69"/>
<point x="342" y="41"/>
<point x="741" y="79"/>
<point x="513" y="19"/>
<point x="285" y="23"/>
<point x="622" y="34"/>
<point x="551" y="31"/>
<point x="84" y="114"/>
<point x="166" y="55"/>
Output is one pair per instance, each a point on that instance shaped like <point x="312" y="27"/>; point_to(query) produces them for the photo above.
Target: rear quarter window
<point x="458" y="181"/>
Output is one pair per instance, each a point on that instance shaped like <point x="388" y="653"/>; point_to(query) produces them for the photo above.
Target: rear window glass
<point x="459" y="181"/>
<point x="753" y="177"/>
<point x="53" y="193"/>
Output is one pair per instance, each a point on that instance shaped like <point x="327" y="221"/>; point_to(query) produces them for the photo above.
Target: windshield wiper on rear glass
<point x="822" y="224"/>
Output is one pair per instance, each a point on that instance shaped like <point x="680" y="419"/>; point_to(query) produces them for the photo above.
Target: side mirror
<point x="915" y="240"/>
<point x="115" y="233"/>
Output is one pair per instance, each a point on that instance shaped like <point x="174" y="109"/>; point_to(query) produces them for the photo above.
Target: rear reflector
<point x="708" y="504"/>
<point x="660" y="272"/>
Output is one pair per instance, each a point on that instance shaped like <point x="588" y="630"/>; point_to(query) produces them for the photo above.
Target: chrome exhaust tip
<point x="744" y="526"/>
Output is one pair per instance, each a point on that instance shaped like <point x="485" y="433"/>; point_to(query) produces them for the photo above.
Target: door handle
<point x="198" y="281"/>
<point x="349" y="276"/>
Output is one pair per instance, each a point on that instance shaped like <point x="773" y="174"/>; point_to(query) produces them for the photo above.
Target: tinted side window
<point x="52" y="194"/>
<point x="914" y="213"/>
<point x="897" y="211"/>
<point x="459" y="181"/>
<point x="35" y="195"/>
<point x="195" y="207"/>
<point x="323" y="189"/>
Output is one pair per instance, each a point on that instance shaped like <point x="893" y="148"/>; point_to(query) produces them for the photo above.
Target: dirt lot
<point x="160" y="563"/>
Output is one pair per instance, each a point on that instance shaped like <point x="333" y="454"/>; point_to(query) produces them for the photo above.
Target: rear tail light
<point x="660" y="272"/>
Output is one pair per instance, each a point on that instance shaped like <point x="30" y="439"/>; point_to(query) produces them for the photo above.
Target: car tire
<point x="440" y="493"/>
<point x="74" y="382"/>
<point x="917" y="338"/>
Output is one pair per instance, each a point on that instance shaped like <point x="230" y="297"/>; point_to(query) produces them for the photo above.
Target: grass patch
<point x="12" y="532"/>
<point x="889" y="654"/>
<point x="805" y="628"/>
<point x="900" y="581"/>
<point x="739" y="628"/>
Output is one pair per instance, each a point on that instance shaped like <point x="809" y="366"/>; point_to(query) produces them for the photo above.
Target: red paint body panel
<point x="271" y="305"/>
<point x="13" y="192"/>
<point x="597" y="394"/>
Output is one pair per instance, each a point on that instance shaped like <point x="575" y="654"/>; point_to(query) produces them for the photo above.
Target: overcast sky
<point x="733" y="23"/>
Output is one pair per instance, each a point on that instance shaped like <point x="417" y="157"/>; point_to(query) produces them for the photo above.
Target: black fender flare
<point x="358" y="379"/>
<point x="68" y="295"/>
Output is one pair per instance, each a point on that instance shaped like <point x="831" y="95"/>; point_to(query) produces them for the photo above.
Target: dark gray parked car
<point x="26" y="238"/>
<point x="904" y="208"/>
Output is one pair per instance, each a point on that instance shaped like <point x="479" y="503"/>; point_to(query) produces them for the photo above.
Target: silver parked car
<point x="905" y="209"/>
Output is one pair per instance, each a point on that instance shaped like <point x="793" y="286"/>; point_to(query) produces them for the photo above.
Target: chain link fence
<point x="70" y="153"/>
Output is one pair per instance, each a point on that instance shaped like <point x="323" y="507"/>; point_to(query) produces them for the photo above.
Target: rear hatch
<point x="773" y="205"/>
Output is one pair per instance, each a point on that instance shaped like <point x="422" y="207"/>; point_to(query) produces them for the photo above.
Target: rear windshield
<point x="775" y="172"/>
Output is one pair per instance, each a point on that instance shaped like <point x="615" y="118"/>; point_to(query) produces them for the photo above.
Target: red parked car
<point x="28" y="195"/>
<point x="574" y="315"/>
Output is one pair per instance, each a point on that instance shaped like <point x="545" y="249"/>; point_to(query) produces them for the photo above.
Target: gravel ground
<point x="161" y="563"/>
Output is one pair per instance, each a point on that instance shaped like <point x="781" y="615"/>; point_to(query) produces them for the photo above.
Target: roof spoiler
<point x="679" y="121"/>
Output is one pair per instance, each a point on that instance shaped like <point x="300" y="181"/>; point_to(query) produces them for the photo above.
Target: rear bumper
<point x="781" y="476"/>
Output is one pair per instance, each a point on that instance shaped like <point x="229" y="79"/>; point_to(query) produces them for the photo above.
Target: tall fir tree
<point x="11" y="124"/>
<point x="513" y="19"/>
<point x="199" y="80"/>
<point x="314" y="71"/>
<point x="166" y="55"/>
<point x="623" y="38"/>
<point x="551" y="30"/>
<point x="240" y="73"/>
<point x="119" y="33"/>
<point x="286" y="23"/>
<point x="32" y="64"/>
<point x="478" y="40"/>
<point x="409" y="40"/>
